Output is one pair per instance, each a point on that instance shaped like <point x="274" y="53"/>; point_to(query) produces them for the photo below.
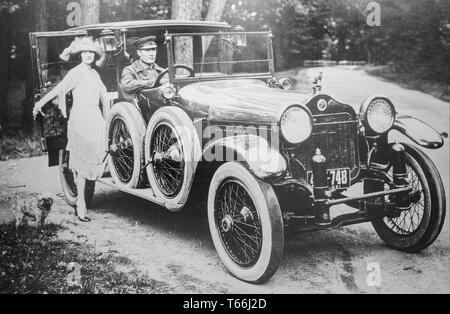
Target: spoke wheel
<point x="125" y="128"/>
<point x="172" y="152"/>
<point x="238" y="223"/>
<point x="417" y="228"/>
<point x="245" y="222"/>
<point x="409" y="221"/>
<point x="122" y="150"/>
<point x="168" y="159"/>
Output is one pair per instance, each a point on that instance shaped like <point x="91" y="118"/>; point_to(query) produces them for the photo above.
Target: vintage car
<point x="266" y="161"/>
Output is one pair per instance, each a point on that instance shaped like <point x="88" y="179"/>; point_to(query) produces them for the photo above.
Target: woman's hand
<point x="38" y="109"/>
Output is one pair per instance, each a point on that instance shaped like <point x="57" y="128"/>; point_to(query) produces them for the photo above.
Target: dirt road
<point x="177" y="249"/>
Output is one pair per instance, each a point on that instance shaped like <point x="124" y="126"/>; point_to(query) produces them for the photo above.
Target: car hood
<point x="239" y="101"/>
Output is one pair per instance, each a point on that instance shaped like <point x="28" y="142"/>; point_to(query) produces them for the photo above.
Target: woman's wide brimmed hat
<point x="79" y="45"/>
<point x="87" y="44"/>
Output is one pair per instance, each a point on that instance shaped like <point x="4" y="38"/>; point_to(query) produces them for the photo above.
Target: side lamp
<point x="108" y="41"/>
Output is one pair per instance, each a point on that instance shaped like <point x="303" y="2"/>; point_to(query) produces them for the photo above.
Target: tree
<point x="90" y="12"/>
<point x="38" y="21"/>
<point x="5" y="38"/>
<point x="192" y="10"/>
<point x="215" y="11"/>
<point x="131" y="8"/>
<point x="187" y="10"/>
<point x="9" y="11"/>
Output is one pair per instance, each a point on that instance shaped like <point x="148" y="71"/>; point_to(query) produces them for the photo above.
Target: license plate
<point x="337" y="178"/>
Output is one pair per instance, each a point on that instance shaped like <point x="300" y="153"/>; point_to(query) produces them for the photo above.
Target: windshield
<point x="223" y="54"/>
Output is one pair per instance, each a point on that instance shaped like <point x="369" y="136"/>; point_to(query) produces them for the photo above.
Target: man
<point x="143" y="72"/>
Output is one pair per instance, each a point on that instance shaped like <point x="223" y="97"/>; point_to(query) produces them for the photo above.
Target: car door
<point x="48" y="70"/>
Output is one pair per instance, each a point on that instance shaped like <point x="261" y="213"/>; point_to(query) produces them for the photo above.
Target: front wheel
<point x="246" y="223"/>
<point x="67" y="178"/>
<point x="416" y="229"/>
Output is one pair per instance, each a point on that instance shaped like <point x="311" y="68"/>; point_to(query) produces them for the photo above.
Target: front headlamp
<point x="377" y="114"/>
<point x="296" y="125"/>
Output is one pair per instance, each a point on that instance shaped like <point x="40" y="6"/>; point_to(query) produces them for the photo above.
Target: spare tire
<point x="172" y="151"/>
<point x="125" y="129"/>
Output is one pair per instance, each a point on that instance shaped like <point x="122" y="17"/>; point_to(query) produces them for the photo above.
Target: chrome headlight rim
<point x="286" y="136"/>
<point x="365" y="119"/>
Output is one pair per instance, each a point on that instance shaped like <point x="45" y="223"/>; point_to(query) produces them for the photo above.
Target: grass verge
<point x="411" y="81"/>
<point x="14" y="144"/>
<point x="33" y="262"/>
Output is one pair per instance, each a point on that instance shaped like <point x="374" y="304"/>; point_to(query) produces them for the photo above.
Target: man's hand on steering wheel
<point x="160" y="80"/>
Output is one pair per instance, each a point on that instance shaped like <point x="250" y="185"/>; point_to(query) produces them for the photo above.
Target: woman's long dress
<point x="86" y="126"/>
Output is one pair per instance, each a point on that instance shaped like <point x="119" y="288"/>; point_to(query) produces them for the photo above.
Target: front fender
<point x="418" y="131"/>
<point x="264" y="161"/>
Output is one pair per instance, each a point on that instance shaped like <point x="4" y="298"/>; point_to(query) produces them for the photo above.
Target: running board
<point x="146" y="193"/>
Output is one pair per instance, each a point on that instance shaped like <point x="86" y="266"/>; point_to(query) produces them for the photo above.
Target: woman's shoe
<point x="83" y="218"/>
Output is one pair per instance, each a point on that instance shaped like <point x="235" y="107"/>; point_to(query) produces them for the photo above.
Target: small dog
<point x="32" y="211"/>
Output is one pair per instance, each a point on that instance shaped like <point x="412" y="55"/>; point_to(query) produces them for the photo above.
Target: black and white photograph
<point x="205" y="148"/>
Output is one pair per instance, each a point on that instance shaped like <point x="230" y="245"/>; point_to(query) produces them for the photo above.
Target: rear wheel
<point x="246" y="223"/>
<point x="417" y="228"/>
<point x="69" y="187"/>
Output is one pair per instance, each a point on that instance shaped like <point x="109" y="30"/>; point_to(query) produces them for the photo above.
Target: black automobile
<point x="266" y="161"/>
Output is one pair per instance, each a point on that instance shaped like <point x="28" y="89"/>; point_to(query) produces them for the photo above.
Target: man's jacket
<point x="136" y="76"/>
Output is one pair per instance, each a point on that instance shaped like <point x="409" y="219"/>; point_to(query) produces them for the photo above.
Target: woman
<point x="86" y="126"/>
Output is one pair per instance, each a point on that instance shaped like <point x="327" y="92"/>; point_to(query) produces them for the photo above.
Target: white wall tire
<point x="172" y="151"/>
<point x="125" y="130"/>
<point x="251" y="266"/>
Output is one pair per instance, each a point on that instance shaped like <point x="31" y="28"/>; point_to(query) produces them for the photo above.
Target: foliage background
<point x="414" y="36"/>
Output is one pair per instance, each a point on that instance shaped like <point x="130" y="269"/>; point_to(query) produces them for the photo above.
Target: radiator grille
<point x="336" y="136"/>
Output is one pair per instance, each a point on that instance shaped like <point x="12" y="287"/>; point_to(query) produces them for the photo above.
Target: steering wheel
<point x="176" y="66"/>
